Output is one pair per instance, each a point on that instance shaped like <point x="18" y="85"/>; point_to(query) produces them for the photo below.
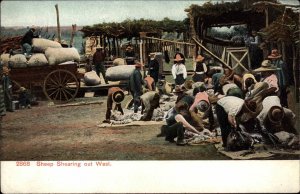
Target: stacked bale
<point x="37" y="59"/>
<point x="18" y="61"/>
<point x="60" y="55"/>
<point x="118" y="73"/>
<point x="40" y="45"/>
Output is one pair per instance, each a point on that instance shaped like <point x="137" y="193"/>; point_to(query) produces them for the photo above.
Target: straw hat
<point x="274" y="54"/>
<point x="275" y="114"/>
<point x="188" y="84"/>
<point x="203" y="106"/>
<point x="178" y="58"/>
<point x="249" y="106"/>
<point x="118" y="96"/>
<point x="199" y="58"/>
<point x="178" y="89"/>
<point x="266" y="65"/>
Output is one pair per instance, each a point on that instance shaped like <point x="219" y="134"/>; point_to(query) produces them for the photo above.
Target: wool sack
<point x="118" y="61"/>
<point x="40" y="45"/>
<point x="60" y="55"/>
<point x="118" y="73"/>
<point x="37" y="59"/>
<point x="4" y="58"/>
<point x="91" y="78"/>
<point x="18" y="61"/>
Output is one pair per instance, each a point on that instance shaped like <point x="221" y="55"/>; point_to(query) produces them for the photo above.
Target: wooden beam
<point x="58" y="24"/>
<point x="212" y="54"/>
<point x="171" y="41"/>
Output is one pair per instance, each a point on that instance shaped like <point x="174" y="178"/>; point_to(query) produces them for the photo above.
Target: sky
<point x="43" y="13"/>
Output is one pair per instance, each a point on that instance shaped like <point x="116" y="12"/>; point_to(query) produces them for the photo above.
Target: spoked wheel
<point x="61" y="86"/>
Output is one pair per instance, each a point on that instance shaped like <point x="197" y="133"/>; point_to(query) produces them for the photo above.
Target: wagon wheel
<point x="61" y="86"/>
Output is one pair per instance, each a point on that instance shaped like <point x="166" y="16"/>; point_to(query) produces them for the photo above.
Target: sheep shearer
<point x="150" y="101"/>
<point x="26" y="42"/>
<point x="275" y="118"/>
<point x="115" y="95"/>
<point x="135" y="85"/>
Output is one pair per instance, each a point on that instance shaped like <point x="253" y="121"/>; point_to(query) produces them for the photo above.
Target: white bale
<point x="40" y="45"/>
<point x="118" y="61"/>
<point x="37" y="59"/>
<point x="118" y="73"/>
<point x="18" y="61"/>
<point x="91" y="78"/>
<point x="4" y="58"/>
<point x="60" y="55"/>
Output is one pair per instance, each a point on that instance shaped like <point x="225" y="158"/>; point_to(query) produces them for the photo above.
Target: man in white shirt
<point x="229" y="109"/>
<point x="179" y="72"/>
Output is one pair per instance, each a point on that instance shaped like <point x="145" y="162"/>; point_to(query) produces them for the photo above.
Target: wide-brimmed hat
<point x="188" y="84"/>
<point x="276" y="114"/>
<point x="203" y="106"/>
<point x="274" y="54"/>
<point x="178" y="58"/>
<point x="118" y="96"/>
<point x="199" y="58"/>
<point x="247" y="77"/>
<point x="266" y="65"/>
<point x="179" y="89"/>
<point x="249" y="106"/>
<point x="138" y="64"/>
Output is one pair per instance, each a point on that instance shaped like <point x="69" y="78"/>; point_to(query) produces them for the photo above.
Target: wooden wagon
<point x="60" y="83"/>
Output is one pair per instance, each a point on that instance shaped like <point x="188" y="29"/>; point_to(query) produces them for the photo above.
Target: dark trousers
<point x="283" y="96"/>
<point x="118" y="107"/>
<point x="100" y="69"/>
<point x="179" y="79"/>
<point x="136" y="101"/>
<point x="224" y="123"/>
<point x="175" y="130"/>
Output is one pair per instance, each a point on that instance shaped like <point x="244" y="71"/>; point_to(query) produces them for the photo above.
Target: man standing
<point x="26" y="42"/>
<point x="135" y="85"/>
<point x="282" y="75"/>
<point x="179" y="71"/>
<point x="153" y="68"/>
<point x="98" y="61"/>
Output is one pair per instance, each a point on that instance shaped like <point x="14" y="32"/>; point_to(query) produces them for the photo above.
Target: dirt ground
<point x="48" y="132"/>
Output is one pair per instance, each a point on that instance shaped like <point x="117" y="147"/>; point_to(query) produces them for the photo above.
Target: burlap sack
<point x="60" y="55"/>
<point x="37" y="59"/>
<point x="40" y="45"/>
<point x="118" y="73"/>
<point x="91" y="78"/>
<point x="118" y="61"/>
<point x="18" y="61"/>
<point x="4" y="59"/>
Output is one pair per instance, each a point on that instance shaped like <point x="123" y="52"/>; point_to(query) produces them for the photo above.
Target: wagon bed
<point x="60" y="83"/>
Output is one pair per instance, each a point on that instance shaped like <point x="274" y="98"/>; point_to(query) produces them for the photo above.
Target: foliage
<point x="131" y="28"/>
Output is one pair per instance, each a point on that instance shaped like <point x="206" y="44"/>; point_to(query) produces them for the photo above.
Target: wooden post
<point x="267" y="16"/>
<point x="72" y="34"/>
<point x="58" y="25"/>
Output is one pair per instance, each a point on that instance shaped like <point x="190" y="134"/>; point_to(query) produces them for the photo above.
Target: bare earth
<point x="71" y="133"/>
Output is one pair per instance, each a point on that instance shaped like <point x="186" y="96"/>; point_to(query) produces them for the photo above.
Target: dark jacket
<point x="98" y="57"/>
<point x="27" y="38"/>
<point x="153" y="69"/>
<point x="136" y="82"/>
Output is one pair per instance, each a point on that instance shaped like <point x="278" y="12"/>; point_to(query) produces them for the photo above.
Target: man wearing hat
<point x="149" y="101"/>
<point x="153" y="68"/>
<point x="135" y="85"/>
<point x="268" y="74"/>
<point x="98" y="61"/>
<point x="115" y="95"/>
<point x="7" y="88"/>
<point x="274" y="118"/>
<point x="199" y="70"/>
<point x="282" y="75"/>
<point x="179" y="70"/>
<point x="26" y="41"/>
<point x="129" y="55"/>
<point x="2" y="103"/>
<point x="230" y="110"/>
<point x="182" y="119"/>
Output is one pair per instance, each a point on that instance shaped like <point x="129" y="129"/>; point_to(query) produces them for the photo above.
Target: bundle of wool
<point x="60" y="55"/>
<point x="118" y="61"/>
<point x="37" y="59"/>
<point x="118" y="73"/>
<point x="91" y="78"/>
<point x="18" y="61"/>
<point x="40" y="45"/>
